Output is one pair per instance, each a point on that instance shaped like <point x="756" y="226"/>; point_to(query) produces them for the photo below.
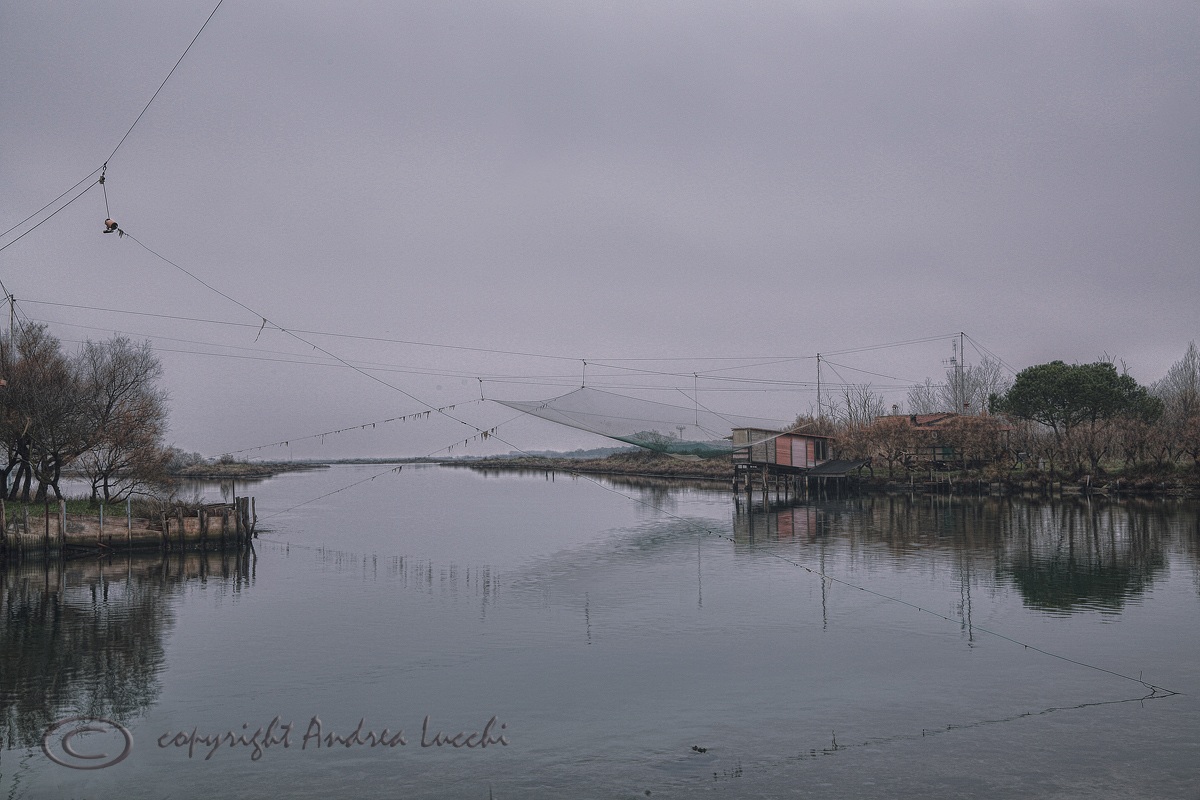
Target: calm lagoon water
<point x="625" y="641"/>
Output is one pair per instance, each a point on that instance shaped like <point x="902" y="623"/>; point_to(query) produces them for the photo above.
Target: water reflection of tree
<point x="1063" y="556"/>
<point x="1059" y="555"/>
<point x="86" y="637"/>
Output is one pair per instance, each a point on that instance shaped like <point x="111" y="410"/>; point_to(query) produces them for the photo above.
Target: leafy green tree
<point x="1077" y="402"/>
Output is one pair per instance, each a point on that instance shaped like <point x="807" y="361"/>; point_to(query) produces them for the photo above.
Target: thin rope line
<point x="487" y="433"/>
<point x="164" y="83"/>
<point x="311" y="332"/>
<point x="348" y="429"/>
<point x="52" y="202"/>
<point x="380" y="474"/>
<point x="50" y="216"/>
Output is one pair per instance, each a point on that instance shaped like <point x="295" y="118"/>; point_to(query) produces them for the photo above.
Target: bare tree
<point x="46" y="411"/>
<point x="860" y="406"/>
<point x="1179" y="391"/>
<point x="129" y="416"/>
<point x="809" y="423"/>
<point x="977" y="441"/>
<point x="965" y="391"/>
<point x="980" y="382"/>
<point x="892" y="439"/>
<point x="926" y="398"/>
<point x="103" y="402"/>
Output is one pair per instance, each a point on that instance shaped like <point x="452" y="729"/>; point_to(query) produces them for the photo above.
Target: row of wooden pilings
<point x="782" y="487"/>
<point x="211" y="526"/>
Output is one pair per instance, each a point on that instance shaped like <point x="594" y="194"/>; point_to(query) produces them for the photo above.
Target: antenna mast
<point x="962" y="358"/>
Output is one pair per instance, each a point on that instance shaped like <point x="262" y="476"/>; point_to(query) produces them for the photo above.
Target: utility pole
<point x="820" y="410"/>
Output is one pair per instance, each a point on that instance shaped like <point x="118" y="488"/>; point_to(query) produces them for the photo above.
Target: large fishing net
<point x="665" y="428"/>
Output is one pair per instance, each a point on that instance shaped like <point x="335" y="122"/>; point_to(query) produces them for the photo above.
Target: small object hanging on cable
<point x="110" y="226"/>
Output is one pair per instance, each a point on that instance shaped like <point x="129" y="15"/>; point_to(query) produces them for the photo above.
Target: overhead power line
<point x="48" y="217"/>
<point x="52" y="202"/>
<point x="101" y="169"/>
<point x="149" y="102"/>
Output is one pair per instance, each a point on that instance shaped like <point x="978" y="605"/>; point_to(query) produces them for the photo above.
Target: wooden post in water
<point x="166" y="540"/>
<point x="3" y="527"/>
<point x="182" y="526"/>
<point x="62" y="526"/>
<point x="237" y="523"/>
<point x="128" y="522"/>
<point x="100" y="537"/>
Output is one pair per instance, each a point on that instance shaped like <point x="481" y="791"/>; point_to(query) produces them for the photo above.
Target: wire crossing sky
<point x="483" y="193"/>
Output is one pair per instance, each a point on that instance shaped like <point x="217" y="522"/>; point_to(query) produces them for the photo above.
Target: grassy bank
<point x="236" y="470"/>
<point x="1179" y="482"/>
<point x="645" y="464"/>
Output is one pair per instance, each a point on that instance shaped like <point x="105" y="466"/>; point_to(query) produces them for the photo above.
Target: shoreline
<point x="666" y="468"/>
<point x="624" y="465"/>
<point x="243" y="470"/>
<point x="714" y="472"/>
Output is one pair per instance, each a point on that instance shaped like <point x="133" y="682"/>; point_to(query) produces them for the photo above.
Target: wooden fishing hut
<point x="775" y="459"/>
<point x="787" y="463"/>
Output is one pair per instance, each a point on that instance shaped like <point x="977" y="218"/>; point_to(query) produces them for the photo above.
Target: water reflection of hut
<point x="780" y="523"/>
<point x="1060" y="557"/>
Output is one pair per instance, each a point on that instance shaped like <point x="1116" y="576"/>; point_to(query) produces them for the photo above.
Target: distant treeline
<point x="1064" y="420"/>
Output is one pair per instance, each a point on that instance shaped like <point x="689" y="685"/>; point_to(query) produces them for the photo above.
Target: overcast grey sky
<point x="597" y="181"/>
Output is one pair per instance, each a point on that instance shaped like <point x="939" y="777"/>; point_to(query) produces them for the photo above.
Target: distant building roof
<point x="789" y="432"/>
<point x="941" y="418"/>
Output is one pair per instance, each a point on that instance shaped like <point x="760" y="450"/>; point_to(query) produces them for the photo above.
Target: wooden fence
<point x="56" y="533"/>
